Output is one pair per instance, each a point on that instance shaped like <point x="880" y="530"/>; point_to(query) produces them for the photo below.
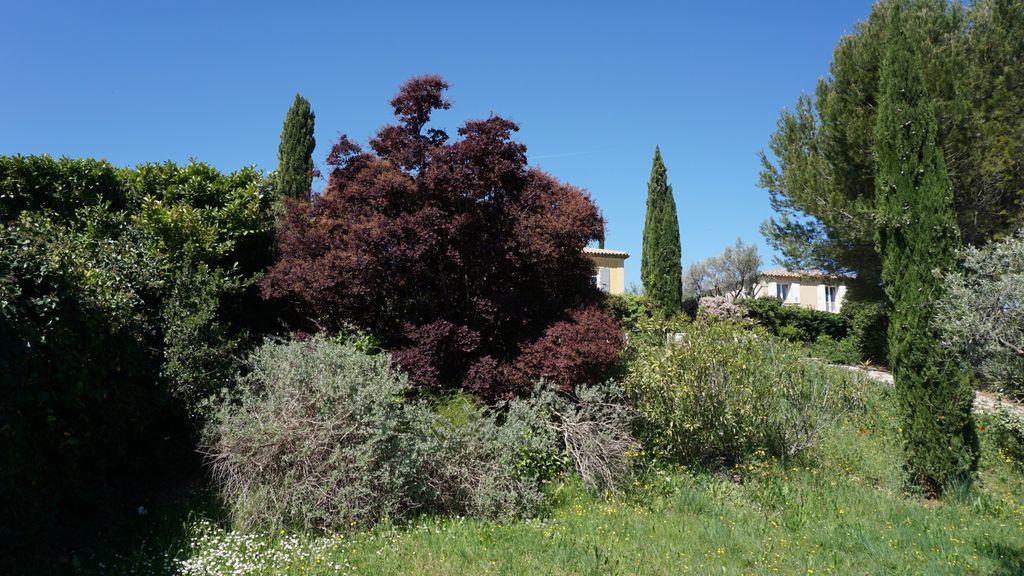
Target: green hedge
<point x="794" y="322"/>
<point x="126" y="296"/>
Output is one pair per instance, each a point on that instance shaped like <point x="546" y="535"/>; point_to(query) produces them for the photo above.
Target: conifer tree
<point x="660" y="265"/>
<point x="918" y="237"/>
<point x="295" y="153"/>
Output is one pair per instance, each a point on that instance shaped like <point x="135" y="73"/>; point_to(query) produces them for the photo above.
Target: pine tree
<point x="660" y="265"/>
<point x="295" y="153"/>
<point x="917" y="238"/>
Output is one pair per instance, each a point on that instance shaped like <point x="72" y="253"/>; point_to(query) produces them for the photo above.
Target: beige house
<point x="808" y="288"/>
<point x="609" y="269"/>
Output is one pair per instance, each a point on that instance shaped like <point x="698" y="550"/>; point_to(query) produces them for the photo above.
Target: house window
<point x="782" y="291"/>
<point x="602" y="278"/>
<point x="830" y="298"/>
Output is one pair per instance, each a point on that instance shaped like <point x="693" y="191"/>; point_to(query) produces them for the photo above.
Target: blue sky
<point x="594" y="86"/>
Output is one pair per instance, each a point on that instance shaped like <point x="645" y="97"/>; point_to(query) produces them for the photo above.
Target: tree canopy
<point x="660" y="264"/>
<point x="295" y="168"/>
<point x="820" y="171"/>
<point x="460" y="258"/>
<point x="732" y="273"/>
<point x="919" y="236"/>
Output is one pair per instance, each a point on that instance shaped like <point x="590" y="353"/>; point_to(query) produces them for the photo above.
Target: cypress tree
<point x="918" y="236"/>
<point x="295" y="153"/>
<point x="660" y="265"/>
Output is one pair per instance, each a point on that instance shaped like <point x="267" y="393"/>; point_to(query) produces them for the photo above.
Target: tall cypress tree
<point x="918" y="236"/>
<point x="295" y="153"/>
<point x="660" y="265"/>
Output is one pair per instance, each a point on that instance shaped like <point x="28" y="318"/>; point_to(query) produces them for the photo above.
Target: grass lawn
<point x="839" y="510"/>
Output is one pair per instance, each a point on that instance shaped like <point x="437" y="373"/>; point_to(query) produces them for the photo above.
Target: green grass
<point x="839" y="510"/>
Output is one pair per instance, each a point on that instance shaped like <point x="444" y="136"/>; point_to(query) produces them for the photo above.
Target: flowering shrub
<point x="719" y="308"/>
<point x="1008" y="430"/>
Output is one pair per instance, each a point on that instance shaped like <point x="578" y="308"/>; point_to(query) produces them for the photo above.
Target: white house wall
<point x="809" y="294"/>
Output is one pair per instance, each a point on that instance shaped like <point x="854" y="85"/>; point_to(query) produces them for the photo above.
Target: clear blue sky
<point x="594" y="86"/>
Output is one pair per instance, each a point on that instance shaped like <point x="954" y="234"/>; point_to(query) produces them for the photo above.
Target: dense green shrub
<point x="125" y="297"/>
<point x="202" y="353"/>
<point x="196" y="214"/>
<point x="1008" y="431"/>
<point x="481" y="465"/>
<point x="844" y="351"/>
<point x="795" y="322"/>
<point x="869" y="326"/>
<point x="629" y="309"/>
<point x="62" y="187"/>
<point x="721" y="392"/>
<point x="80" y="412"/>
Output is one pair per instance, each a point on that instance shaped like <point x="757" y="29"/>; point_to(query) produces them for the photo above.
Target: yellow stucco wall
<point x="809" y="296"/>
<point x="616" y="272"/>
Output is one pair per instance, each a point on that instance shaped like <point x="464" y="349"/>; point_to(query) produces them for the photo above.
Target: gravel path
<point x="983" y="401"/>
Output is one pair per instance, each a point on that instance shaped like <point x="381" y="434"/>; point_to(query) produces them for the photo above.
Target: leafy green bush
<point x="61" y="187"/>
<point x="1008" y="431"/>
<point x="629" y="309"/>
<point x="722" y="392"/>
<point x="482" y="465"/>
<point x="202" y="352"/>
<point x="80" y="410"/>
<point x="794" y="322"/>
<point x="869" y="326"/>
<point x="844" y="351"/>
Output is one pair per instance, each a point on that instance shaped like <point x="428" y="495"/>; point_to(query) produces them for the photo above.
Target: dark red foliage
<point x="456" y="255"/>
<point x="582" y="348"/>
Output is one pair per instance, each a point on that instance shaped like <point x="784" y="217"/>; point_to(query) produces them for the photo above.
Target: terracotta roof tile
<point x="604" y="252"/>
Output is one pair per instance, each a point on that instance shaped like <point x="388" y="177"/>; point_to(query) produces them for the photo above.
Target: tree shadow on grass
<point x="146" y="532"/>
<point x="1010" y="558"/>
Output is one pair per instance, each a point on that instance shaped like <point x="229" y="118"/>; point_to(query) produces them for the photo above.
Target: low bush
<point x="1008" y="431"/>
<point x="322" y="435"/>
<point x="722" y="392"/>
<point x="317" y="437"/>
<point x="595" y="431"/>
<point x="794" y="322"/>
<point x="629" y="309"/>
<point x="844" y="351"/>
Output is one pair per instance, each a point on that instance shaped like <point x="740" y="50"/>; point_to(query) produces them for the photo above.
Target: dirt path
<point x="983" y="401"/>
